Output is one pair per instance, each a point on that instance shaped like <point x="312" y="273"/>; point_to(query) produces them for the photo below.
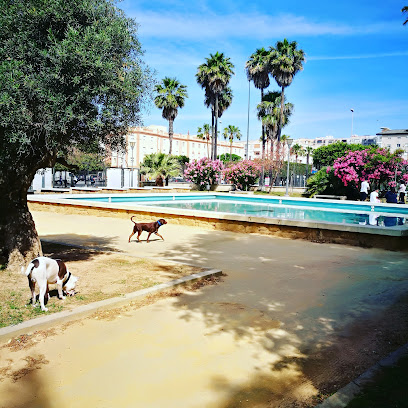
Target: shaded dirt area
<point x="101" y="275"/>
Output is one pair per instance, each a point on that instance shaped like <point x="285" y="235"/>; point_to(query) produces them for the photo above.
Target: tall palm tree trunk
<point x="307" y="166"/>
<point x="262" y="175"/>
<point x="212" y="133"/>
<point x="208" y="148"/>
<point x="216" y="127"/>
<point x="281" y="114"/>
<point x="170" y="135"/>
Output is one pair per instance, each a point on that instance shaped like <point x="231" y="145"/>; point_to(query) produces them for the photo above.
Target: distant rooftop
<point x="389" y="132"/>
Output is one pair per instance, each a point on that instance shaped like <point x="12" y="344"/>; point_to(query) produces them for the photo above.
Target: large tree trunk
<point x="19" y="242"/>
<point x="170" y="135"/>
<point x="262" y="175"/>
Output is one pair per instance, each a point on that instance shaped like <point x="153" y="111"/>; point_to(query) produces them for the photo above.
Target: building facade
<point x="141" y="141"/>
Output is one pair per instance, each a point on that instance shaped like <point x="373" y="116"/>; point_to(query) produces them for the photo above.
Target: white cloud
<point x="242" y="25"/>
<point x="361" y="56"/>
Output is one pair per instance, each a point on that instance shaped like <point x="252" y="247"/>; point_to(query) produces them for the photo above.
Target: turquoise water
<point x="278" y="208"/>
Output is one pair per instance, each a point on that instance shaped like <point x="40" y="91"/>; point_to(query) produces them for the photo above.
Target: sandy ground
<point x="291" y="322"/>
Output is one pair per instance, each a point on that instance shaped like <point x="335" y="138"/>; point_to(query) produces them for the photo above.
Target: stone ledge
<point x="49" y="320"/>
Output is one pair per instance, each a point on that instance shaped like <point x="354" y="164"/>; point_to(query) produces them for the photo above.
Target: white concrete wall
<point x="42" y="179"/>
<point x="114" y="178"/>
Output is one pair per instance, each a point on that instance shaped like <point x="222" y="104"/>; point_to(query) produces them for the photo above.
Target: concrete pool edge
<point x="363" y="236"/>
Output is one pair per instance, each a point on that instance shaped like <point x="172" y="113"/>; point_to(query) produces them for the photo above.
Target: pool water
<point x="276" y="208"/>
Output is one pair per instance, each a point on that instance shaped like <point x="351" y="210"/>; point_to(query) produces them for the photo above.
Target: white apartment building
<point x="391" y="139"/>
<point x="394" y="139"/>
<point x="151" y="139"/>
<point x="141" y="141"/>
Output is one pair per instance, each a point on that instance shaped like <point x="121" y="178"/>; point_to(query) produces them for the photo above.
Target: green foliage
<point x="226" y="158"/>
<point x="70" y="75"/>
<point x="83" y="162"/>
<point x="326" y="155"/>
<point x="159" y="166"/>
<point x="324" y="182"/>
<point x="183" y="160"/>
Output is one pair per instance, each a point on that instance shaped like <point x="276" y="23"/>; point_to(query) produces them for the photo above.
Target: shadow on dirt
<point x="27" y="387"/>
<point x="353" y="314"/>
<point x="78" y="248"/>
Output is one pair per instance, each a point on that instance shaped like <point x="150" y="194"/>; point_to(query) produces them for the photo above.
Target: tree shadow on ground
<point x="73" y="247"/>
<point x="315" y="350"/>
<point x="26" y="385"/>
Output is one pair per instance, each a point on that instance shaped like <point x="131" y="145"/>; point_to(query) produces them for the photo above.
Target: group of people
<point x="390" y="195"/>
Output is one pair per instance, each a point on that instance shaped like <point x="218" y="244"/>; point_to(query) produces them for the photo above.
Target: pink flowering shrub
<point x="243" y="174"/>
<point x="204" y="172"/>
<point x="377" y="167"/>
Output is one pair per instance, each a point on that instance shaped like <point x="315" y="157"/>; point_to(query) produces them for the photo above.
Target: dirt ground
<point x="101" y="275"/>
<point x="290" y="324"/>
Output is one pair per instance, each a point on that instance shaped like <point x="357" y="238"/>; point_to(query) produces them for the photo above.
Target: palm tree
<point x="170" y="96"/>
<point x="257" y="69"/>
<point x="214" y="76"/>
<point x="230" y="133"/>
<point x="308" y="150"/>
<point x="297" y="150"/>
<point x="285" y="62"/>
<point x="224" y="102"/>
<point x="205" y="134"/>
<point x="405" y="10"/>
<point x="159" y="166"/>
<point x="269" y="113"/>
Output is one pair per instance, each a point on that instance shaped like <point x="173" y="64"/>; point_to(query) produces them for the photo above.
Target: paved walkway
<point x="245" y="342"/>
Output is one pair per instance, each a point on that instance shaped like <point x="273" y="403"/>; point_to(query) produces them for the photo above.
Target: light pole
<point x="289" y="142"/>
<point x="352" y="112"/>
<point x="132" y="145"/>
<point x="247" y="142"/>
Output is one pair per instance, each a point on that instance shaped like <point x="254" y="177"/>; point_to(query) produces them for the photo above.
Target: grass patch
<point x="101" y="276"/>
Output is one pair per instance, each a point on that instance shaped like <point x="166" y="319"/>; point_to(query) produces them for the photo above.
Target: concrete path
<point x="247" y="341"/>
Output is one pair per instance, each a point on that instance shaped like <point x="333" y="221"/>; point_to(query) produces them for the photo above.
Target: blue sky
<point x="356" y="57"/>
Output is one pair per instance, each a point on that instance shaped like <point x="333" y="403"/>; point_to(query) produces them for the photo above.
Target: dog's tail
<point x="131" y="219"/>
<point x="28" y="270"/>
<point x="33" y="264"/>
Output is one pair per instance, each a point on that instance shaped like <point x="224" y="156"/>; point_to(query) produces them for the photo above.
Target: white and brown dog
<point x="43" y="271"/>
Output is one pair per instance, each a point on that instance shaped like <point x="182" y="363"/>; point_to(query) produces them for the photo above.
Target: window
<point x="398" y="145"/>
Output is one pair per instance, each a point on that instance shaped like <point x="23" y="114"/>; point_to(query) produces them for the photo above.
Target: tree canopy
<point x="326" y="155"/>
<point x="71" y="75"/>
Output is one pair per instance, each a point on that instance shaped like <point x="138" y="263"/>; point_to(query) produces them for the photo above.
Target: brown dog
<point x="150" y="227"/>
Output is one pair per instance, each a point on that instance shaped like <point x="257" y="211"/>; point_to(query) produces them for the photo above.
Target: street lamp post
<point x="352" y="112"/>
<point x="289" y="142"/>
<point x="132" y="145"/>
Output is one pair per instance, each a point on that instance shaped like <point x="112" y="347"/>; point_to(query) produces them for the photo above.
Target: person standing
<point x="364" y="190"/>
<point x="401" y="192"/>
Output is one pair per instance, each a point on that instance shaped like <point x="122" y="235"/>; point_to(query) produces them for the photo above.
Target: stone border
<point x="346" y="394"/>
<point x="47" y="321"/>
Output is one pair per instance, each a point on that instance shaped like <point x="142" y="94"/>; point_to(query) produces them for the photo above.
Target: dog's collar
<point x="159" y="223"/>
<point x="69" y="275"/>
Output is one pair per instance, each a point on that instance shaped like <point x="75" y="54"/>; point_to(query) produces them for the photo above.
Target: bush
<point x="243" y="174"/>
<point x="204" y="172"/>
<point x="325" y="182"/>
